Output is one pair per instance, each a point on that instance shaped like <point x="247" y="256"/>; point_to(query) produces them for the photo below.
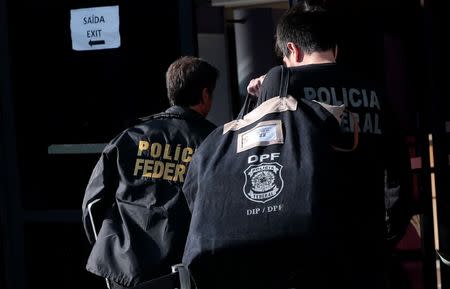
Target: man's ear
<point x="206" y="103"/>
<point x="205" y="95"/>
<point x="295" y="52"/>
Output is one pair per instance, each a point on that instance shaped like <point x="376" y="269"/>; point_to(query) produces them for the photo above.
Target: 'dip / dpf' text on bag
<point x="264" y="200"/>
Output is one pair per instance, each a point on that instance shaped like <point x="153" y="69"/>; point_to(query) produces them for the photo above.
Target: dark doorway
<point x="67" y="104"/>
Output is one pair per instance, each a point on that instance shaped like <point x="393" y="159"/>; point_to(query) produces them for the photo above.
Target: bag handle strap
<point x="250" y="100"/>
<point x="284" y="81"/>
<point x="248" y="105"/>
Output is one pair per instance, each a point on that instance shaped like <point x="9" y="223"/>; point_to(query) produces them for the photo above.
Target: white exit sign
<point x="95" y="28"/>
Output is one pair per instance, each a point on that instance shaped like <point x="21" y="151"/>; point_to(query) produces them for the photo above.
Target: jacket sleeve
<point x="191" y="182"/>
<point x="100" y="192"/>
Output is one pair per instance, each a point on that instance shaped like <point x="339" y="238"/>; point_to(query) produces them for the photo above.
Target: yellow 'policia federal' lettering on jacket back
<point x="158" y="161"/>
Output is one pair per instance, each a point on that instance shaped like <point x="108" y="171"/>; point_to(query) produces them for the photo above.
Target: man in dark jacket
<point x="369" y="176"/>
<point x="134" y="194"/>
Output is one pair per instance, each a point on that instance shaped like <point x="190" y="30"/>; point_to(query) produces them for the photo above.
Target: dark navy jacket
<point x="134" y="195"/>
<point x="376" y="175"/>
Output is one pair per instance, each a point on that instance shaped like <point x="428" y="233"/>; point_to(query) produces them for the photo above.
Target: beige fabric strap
<point x="336" y="110"/>
<point x="275" y="104"/>
<point x="280" y="104"/>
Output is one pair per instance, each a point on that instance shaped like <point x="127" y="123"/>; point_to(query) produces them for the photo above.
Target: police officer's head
<point x="190" y="82"/>
<point x="309" y="27"/>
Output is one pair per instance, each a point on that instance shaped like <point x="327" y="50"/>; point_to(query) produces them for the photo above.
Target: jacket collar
<point x="184" y="111"/>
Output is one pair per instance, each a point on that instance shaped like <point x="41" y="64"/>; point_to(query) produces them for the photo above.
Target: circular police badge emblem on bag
<point x="263" y="182"/>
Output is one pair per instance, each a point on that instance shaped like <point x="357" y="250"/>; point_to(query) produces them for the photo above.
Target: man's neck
<point x="315" y="58"/>
<point x="200" y="109"/>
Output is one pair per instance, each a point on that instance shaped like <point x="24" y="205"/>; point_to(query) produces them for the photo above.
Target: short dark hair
<point x="187" y="77"/>
<point x="310" y="27"/>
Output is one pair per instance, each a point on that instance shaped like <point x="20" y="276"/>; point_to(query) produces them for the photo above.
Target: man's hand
<point x="255" y="84"/>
